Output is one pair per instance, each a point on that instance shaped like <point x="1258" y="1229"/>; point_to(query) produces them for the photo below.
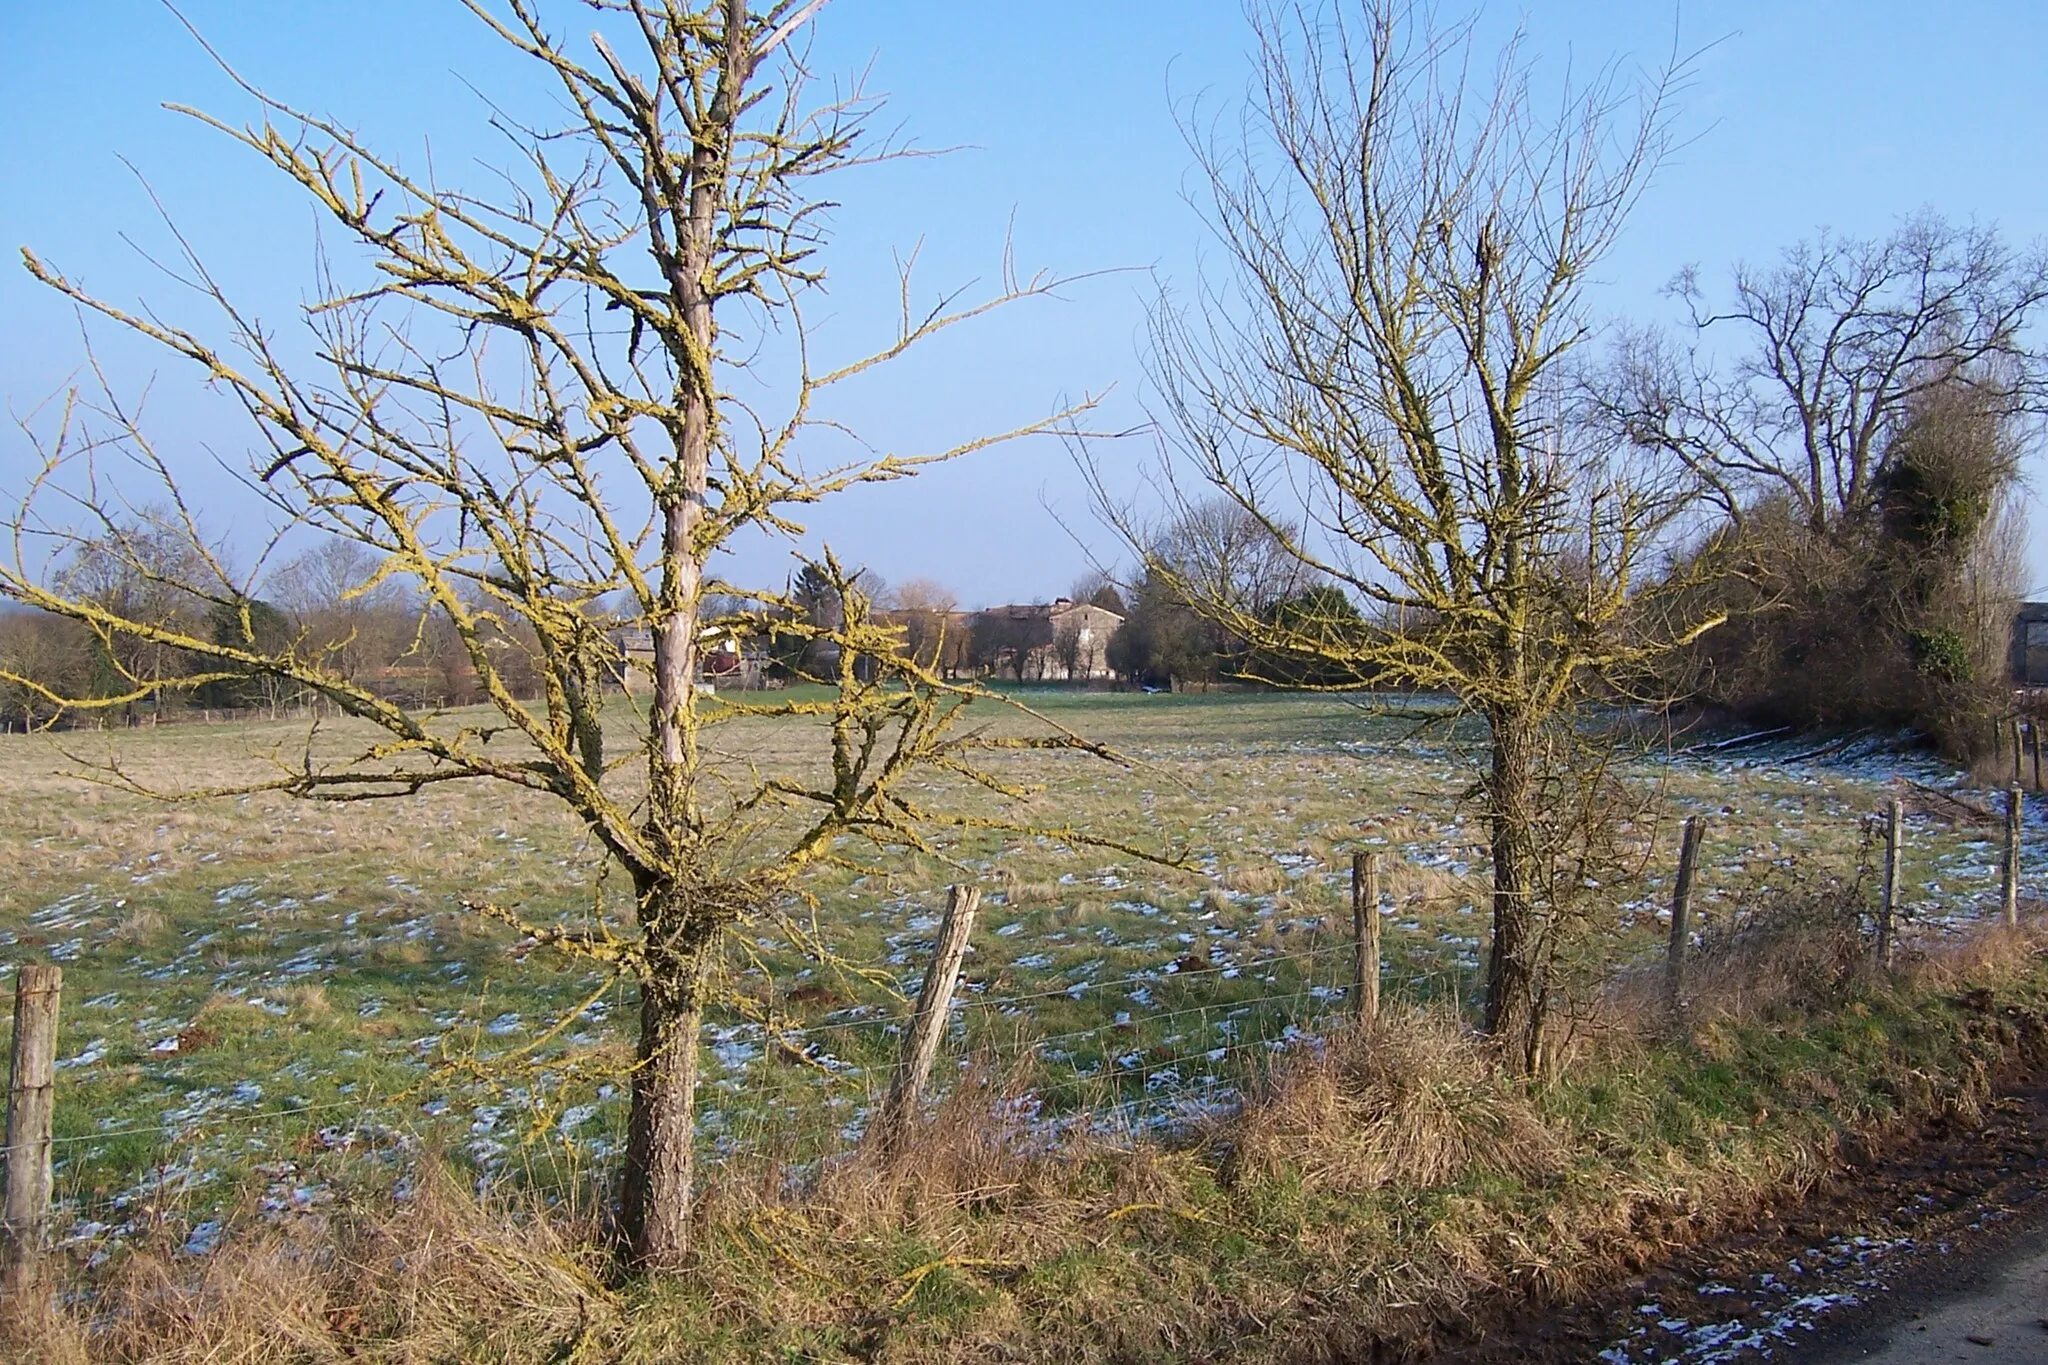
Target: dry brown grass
<point x="308" y="1002"/>
<point x="221" y="1007"/>
<point x="1255" y="879"/>
<point x="1376" y="1186"/>
<point x="437" y="1277"/>
<point x="1020" y="894"/>
<point x="1315" y="1181"/>
<point x="1411" y="886"/>
<point x="138" y="924"/>
<point x="1988" y="956"/>
<point x="1414" y="1098"/>
<point x="1791" y="950"/>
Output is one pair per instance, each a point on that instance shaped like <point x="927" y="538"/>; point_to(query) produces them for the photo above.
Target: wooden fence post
<point x="1681" y="913"/>
<point x="1894" y="865"/>
<point x="2019" y="750"/>
<point x="2034" y="732"/>
<point x="928" y="1025"/>
<point x="1365" y="937"/>
<point x="31" y="1102"/>
<point x="2010" y="891"/>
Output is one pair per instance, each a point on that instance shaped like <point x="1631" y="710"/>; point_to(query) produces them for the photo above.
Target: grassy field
<point x="258" y="989"/>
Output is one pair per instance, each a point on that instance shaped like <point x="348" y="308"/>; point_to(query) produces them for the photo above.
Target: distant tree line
<point x="327" y="603"/>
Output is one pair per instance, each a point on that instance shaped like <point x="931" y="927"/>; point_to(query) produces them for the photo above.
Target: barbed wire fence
<point x="1152" y="1076"/>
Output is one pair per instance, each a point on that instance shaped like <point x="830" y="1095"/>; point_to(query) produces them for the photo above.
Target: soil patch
<point x="1933" y="1215"/>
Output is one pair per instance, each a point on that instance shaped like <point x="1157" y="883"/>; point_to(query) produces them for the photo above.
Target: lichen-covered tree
<point x="520" y="400"/>
<point x="1378" y="379"/>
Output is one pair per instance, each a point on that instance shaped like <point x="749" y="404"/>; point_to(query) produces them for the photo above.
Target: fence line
<point x="1153" y="978"/>
<point x="249" y="1120"/>
<point x="938" y="1011"/>
<point x="2021" y="735"/>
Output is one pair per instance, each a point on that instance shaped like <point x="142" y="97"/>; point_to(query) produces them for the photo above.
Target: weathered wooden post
<point x="928" y="1024"/>
<point x="1681" y="913"/>
<point x="2010" y="891"/>
<point x="2034" y="734"/>
<point x="2019" y="750"/>
<point x="1894" y="863"/>
<point x="31" y="1103"/>
<point x="1365" y="936"/>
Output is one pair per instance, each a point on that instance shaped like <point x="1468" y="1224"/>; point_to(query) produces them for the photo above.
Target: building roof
<point x="1026" y="611"/>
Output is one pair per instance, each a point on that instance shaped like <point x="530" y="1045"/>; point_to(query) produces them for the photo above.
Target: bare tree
<point x="924" y="609"/>
<point x="1070" y="652"/>
<point x="1795" y="387"/>
<point x="1378" y="387"/>
<point x="1097" y="589"/>
<point x="53" y="653"/>
<point x="361" y="621"/>
<point x="1009" y="637"/>
<point x="520" y="407"/>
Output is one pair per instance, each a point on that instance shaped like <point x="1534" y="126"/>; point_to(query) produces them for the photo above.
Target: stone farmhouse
<point x="725" y="660"/>
<point x="1060" y="641"/>
<point x="2030" y="645"/>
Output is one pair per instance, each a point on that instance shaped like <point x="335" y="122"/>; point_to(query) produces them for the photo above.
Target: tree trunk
<point x="655" y="1187"/>
<point x="1510" y="1015"/>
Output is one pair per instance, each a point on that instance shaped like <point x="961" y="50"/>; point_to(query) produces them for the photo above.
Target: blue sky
<point x="1801" y="115"/>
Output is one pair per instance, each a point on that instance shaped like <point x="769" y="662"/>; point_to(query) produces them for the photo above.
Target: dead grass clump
<point x="1259" y="879"/>
<point x="264" y="1299"/>
<point x="32" y="1328"/>
<point x="309" y="1002"/>
<point x="1088" y="910"/>
<point x="1414" y="1099"/>
<point x="399" y="952"/>
<point x="1018" y="893"/>
<point x="440" y="1276"/>
<point x="1985" y="955"/>
<point x="224" y="1010"/>
<point x="1794" y="948"/>
<point x="1429" y="886"/>
<point x="460" y="1278"/>
<point x="976" y="1150"/>
<point x="138" y="924"/>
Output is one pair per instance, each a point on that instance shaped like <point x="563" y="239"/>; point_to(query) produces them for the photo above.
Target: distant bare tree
<point x="361" y="622"/>
<point x="41" y="657"/>
<point x="1008" y="639"/>
<point x="1097" y="589"/>
<point x="1796" y="385"/>
<point x="1069" y="651"/>
<point x="924" y="609"/>
<point x="1378" y="387"/>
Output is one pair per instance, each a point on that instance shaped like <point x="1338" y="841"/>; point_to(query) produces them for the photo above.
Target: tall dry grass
<point x="1415" y="1099"/>
<point x="437" y="1276"/>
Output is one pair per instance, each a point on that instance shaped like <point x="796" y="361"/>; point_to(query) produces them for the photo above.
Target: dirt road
<point x="1923" y="1252"/>
<point x="1936" y="1251"/>
<point x="2002" y="1324"/>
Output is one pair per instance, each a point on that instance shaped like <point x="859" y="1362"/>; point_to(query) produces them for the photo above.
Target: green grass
<point x="328" y="995"/>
